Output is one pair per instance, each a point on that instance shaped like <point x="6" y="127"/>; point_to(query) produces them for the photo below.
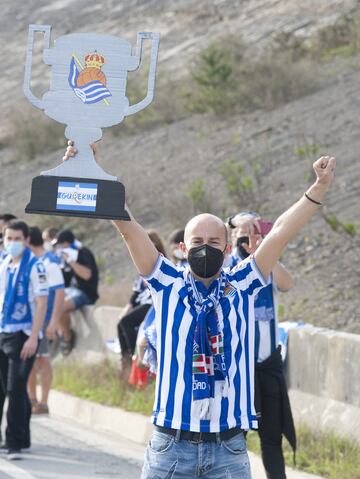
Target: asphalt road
<point x="64" y="450"/>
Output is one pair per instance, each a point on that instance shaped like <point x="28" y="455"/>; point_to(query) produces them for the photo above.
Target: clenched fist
<point x="324" y="169"/>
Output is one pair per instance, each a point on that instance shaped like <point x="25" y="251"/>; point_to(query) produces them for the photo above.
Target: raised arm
<point x="296" y="217"/>
<point x="289" y="223"/>
<point x="141" y="248"/>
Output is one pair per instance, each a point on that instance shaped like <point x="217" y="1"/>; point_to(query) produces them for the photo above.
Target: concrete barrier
<point x="94" y="325"/>
<point x="133" y="426"/>
<point x="324" y="379"/>
<point x="322" y="368"/>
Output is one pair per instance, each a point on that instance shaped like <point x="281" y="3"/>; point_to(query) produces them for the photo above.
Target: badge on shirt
<point x="229" y="290"/>
<point x="42" y="278"/>
<point x="41" y="273"/>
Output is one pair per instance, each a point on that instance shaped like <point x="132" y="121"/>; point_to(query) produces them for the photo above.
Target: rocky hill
<point x="161" y="161"/>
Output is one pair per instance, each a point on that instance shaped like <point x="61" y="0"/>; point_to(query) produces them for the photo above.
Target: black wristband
<point x="230" y="223"/>
<point x="312" y="201"/>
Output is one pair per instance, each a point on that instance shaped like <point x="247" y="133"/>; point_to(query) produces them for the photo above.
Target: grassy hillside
<point x="248" y="95"/>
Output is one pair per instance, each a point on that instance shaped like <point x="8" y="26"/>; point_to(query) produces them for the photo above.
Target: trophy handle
<point x="46" y="29"/>
<point x="155" y="37"/>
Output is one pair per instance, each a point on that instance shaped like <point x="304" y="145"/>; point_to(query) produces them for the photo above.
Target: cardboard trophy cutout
<point x="87" y="93"/>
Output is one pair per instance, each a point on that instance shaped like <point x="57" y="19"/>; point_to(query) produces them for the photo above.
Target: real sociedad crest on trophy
<point x="87" y="93"/>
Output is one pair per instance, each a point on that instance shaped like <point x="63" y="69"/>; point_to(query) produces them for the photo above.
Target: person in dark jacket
<point x="81" y="282"/>
<point x="271" y="398"/>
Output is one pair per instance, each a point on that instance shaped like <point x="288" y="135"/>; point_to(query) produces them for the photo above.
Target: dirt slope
<point x="157" y="165"/>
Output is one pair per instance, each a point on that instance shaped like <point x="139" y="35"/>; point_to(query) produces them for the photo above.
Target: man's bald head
<point x="201" y="232"/>
<point x="205" y="228"/>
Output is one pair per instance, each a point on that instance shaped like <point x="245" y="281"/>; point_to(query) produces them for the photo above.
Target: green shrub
<point x="308" y="152"/>
<point x="240" y="185"/>
<point x="340" y="39"/>
<point x="100" y="383"/>
<point x="226" y="81"/>
<point x="333" y="222"/>
<point x="213" y="78"/>
<point x="321" y="453"/>
<point x="198" y="197"/>
<point x="350" y="229"/>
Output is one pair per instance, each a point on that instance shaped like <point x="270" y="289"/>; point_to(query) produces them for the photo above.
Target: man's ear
<point x="183" y="248"/>
<point x="228" y="249"/>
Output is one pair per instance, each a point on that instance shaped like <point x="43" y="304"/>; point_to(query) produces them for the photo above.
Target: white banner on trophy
<point x="87" y="92"/>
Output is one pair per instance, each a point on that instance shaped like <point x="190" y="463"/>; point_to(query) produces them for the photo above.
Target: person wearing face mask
<point x="174" y="241"/>
<point x="23" y="302"/>
<point x="271" y="397"/>
<point x="4" y="219"/>
<point x="205" y="323"/>
<point x="49" y="237"/>
<point x="81" y="277"/>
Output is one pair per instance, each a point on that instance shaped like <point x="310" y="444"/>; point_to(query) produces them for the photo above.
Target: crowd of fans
<point x="44" y="276"/>
<point x="69" y="278"/>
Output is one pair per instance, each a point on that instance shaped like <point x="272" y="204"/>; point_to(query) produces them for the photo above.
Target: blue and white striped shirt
<point x="266" y="322"/>
<point x="266" y="316"/>
<point x="55" y="281"/>
<point x="175" y="322"/>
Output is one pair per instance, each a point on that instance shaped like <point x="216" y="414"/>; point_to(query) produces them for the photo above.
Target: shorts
<point x="43" y="351"/>
<point x="78" y="297"/>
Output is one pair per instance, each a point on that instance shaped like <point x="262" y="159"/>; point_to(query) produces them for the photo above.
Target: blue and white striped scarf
<point x="16" y="307"/>
<point x="208" y="364"/>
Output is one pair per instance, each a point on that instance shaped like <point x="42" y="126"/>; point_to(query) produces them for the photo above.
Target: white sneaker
<point x="14" y="454"/>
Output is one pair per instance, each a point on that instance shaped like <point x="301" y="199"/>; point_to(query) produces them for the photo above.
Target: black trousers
<point x="128" y="327"/>
<point x="2" y="399"/>
<point x="14" y="374"/>
<point x="270" y="427"/>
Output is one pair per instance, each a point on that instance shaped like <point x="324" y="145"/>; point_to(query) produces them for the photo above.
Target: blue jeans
<point x="168" y="458"/>
<point x="78" y="297"/>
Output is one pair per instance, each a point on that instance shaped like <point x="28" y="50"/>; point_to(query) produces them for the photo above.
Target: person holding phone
<point x="81" y="278"/>
<point x="271" y="399"/>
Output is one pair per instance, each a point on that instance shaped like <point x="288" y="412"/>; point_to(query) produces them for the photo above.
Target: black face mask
<point x="242" y="251"/>
<point x="205" y="261"/>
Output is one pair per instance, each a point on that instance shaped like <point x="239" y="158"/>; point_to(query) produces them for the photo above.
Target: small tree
<point x="196" y="193"/>
<point x="214" y="77"/>
<point x="240" y="186"/>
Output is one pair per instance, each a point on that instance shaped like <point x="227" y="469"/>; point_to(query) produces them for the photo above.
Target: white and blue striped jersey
<point x="141" y="293"/>
<point x="266" y="316"/>
<point x="175" y="321"/>
<point x="55" y="280"/>
<point x="266" y="322"/>
<point x="3" y="255"/>
<point x="37" y="287"/>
